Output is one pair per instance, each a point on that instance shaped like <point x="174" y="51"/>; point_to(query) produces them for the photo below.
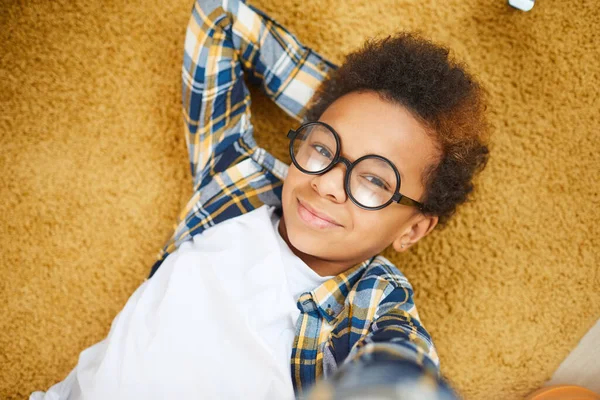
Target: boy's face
<point x="366" y="124"/>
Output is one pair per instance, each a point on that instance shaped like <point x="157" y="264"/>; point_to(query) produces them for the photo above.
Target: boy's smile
<point x="315" y="218"/>
<point x="320" y="223"/>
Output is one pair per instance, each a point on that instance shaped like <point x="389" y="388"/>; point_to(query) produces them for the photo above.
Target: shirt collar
<point x="330" y="296"/>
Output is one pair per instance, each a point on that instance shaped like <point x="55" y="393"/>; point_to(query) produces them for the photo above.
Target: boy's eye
<point x="380" y="183"/>
<point x="322" y="150"/>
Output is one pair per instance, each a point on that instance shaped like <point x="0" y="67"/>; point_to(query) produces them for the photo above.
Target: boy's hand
<point x="393" y="380"/>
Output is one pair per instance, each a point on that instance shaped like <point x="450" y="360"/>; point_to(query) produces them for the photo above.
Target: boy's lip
<point x="318" y="214"/>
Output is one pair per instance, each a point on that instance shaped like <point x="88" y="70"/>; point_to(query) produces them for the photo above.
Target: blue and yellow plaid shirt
<point x="364" y="315"/>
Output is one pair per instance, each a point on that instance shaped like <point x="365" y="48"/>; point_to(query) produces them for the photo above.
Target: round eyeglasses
<point x="372" y="182"/>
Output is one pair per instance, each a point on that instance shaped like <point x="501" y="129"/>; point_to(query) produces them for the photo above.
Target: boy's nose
<point x="331" y="184"/>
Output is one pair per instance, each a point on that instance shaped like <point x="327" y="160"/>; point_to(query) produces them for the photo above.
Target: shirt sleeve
<point x="396" y="356"/>
<point x="396" y="333"/>
<point x="226" y="39"/>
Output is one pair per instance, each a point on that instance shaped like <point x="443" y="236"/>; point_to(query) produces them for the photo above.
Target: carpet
<point x="94" y="173"/>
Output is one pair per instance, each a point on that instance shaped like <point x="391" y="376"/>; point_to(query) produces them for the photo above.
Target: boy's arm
<point x="395" y="360"/>
<point x="224" y="38"/>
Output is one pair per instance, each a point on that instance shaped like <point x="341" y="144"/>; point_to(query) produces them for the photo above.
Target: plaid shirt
<point x="362" y="316"/>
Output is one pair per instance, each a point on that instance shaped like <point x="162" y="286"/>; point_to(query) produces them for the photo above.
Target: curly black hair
<point x="412" y="71"/>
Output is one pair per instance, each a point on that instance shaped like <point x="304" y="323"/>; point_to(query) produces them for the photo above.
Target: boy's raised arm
<point x="224" y="39"/>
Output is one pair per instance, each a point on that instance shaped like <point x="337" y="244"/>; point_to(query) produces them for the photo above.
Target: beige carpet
<point x="94" y="172"/>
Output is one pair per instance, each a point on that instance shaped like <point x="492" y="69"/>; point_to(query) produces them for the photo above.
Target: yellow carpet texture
<point x="94" y="172"/>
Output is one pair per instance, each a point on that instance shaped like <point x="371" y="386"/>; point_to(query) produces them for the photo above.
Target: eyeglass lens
<point x="372" y="180"/>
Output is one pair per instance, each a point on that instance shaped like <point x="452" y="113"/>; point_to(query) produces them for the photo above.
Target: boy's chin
<point x="309" y="243"/>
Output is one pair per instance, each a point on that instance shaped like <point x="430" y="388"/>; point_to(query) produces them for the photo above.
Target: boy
<point x="387" y="149"/>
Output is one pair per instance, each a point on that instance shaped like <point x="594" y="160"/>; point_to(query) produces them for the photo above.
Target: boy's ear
<point x="420" y="228"/>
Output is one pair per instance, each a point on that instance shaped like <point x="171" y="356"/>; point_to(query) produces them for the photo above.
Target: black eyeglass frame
<point x="397" y="197"/>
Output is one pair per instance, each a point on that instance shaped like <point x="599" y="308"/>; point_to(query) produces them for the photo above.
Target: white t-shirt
<point x="216" y="321"/>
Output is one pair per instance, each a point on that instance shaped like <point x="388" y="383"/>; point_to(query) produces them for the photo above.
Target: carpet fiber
<point x="94" y="172"/>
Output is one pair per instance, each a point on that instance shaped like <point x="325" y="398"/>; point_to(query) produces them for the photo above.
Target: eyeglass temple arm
<point x="407" y="201"/>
